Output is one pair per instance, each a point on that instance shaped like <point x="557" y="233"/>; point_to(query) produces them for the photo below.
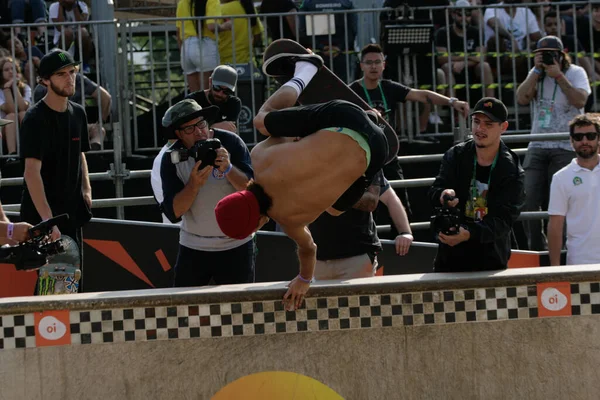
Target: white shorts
<point x="199" y="55"/>
<point x="345" y="268"/>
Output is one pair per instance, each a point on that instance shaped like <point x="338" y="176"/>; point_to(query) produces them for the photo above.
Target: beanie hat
<point x="238" y="214"/>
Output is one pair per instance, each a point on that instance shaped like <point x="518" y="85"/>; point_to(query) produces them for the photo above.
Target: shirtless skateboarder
<point x="318" y="157"/>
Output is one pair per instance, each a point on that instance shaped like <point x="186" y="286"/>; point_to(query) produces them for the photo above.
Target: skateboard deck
<point x="62" y="273"/>
<point x="326" y="86"/>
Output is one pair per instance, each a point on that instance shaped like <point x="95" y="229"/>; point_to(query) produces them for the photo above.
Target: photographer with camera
<point x="480" y="186"/>
<point x="559" y="91"/>
<point x="201" y="167"/>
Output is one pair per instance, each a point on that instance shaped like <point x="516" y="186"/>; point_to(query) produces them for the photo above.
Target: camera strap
<point x="553" y="94"/>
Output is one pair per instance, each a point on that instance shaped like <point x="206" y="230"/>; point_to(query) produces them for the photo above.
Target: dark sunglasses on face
<point x="578" y="137"/>
<point x="188" y="130"/>
<point x="373" y="62"/>
<point x="223" y="89"/>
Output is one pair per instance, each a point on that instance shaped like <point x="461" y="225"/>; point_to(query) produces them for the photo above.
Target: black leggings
<point x="305" y="120"/>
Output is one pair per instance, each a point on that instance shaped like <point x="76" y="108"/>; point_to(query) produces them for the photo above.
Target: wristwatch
<point x="451" y="101"/>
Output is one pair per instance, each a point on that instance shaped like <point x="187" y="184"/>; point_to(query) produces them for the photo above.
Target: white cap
<point x="461" y="4"/>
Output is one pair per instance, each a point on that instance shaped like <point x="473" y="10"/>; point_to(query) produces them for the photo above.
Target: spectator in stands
<point x="91" y="90"/>
<point x="54" y="142"/>
<point x="574" y="197"/>
<point x="191" y="192"/>
<point x="239" y="52"/>
<point x="511" y="27"/>
<point x="221" y="93"/>
<point x="463" y="38"/>
<point x="67" y="37"/>
<point x="426" y="74"/>
<point x="15" y="98"/>
<point x="335" y="48"/>
<point x="283" y="26"/>
<point x="591" y="43"/>
<point x="540" y="12"/>
<point x="570" y="42"/>
<point x="22" y="55"/>
<point x="197" y="41"/>
<point x="559" y="91"/>
<point x="20" y="9"/>
<point x="485" y="177"/>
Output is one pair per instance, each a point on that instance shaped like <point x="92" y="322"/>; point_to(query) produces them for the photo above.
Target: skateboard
<point x="326" y="86"/>
<point x="62" y="273"/>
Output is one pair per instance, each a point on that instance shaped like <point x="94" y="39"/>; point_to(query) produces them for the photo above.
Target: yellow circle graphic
<point x="276" y="385"/>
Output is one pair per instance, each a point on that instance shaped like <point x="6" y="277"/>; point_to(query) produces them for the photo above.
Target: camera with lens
<point x="34" y="253"/>
<point x="202" y="150"/>
<point x="548" y="57"/>
<point x="446" y="219"/>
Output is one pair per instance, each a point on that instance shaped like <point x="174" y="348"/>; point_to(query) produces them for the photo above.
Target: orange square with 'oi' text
<point x="554" y="299"/>
<point x="52" y="328"/>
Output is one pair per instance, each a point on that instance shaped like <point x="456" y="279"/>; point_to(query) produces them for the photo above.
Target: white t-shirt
<point x="69" y="17"/>
<point x="26" y="97"/>
<point x="521" y="25"/>
<point x="155" y="180"/>
<point x="561" y="112"/>
<point x="574" y="194"/>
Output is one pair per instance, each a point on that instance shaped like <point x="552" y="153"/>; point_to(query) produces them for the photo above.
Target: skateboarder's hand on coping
<point x="292" y="300"/>
<point x="55" y="233"/>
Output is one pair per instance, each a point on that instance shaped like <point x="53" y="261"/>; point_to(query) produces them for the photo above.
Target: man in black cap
<point x="191" y="189"/>
<point x="221" y="93"/>
<point x="558" y="91"/>
<point x="54" y="140"/>
<point x="484" y="179"/>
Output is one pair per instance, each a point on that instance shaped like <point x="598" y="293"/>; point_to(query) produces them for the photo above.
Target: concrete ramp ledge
<point x="275" y="290"/>
<point x="514" y="334"/>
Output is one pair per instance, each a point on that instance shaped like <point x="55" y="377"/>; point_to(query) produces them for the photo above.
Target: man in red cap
<point x="318" y="158"/>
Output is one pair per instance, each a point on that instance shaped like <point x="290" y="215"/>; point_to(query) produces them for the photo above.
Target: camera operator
<point x="559" y="91"/>
<point x="485" y="180"/>
<point x="193" y="187"/>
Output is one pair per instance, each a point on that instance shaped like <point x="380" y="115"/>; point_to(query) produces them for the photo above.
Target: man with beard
<point x="574" y="197"/>
<point x="221" y="93"/>
<point x="54" y="140"/>
<point x="485" y="177"/>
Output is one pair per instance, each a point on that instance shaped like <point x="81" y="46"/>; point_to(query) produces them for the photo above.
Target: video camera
<point x="446" y="219"/>
<point x="202" y="150"/>
<point x="34" y="253"/>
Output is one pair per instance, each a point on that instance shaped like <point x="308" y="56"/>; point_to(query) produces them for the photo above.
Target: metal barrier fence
<point x="138" y="63"/>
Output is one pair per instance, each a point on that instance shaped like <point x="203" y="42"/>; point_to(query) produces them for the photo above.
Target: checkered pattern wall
<point x="317" y="314"/>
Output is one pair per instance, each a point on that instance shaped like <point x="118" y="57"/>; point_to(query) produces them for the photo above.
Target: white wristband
<point x="9" y="230"/>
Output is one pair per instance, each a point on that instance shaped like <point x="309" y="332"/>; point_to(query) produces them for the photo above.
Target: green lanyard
<point x="473" y="185"/>
<point x="385" y="107"/>
<point x="553" y="94"/>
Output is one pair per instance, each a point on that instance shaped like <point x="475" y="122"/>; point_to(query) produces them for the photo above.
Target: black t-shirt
<point x="392" y="91"/>
<point x="57" y="139"/>
<point x="228" y="111"/>
<point x="457" y="44"/>
<point x="351" y="234"/>
<point x="278" y="6"/>
<point x="569" y="42"/>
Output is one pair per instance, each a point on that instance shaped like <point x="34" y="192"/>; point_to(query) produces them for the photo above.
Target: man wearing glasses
<point x="221" y="93"/>
<point x="574" y="197"/>
<point x="191" y="191"/>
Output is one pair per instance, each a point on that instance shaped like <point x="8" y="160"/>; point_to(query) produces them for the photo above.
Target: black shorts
<point x="305" y="120"/>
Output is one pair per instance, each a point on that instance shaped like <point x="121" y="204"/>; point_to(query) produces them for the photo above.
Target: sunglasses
<point x="188" y="130"/>
<point x="223" y="89"/>
<point x="578" y="137"/>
